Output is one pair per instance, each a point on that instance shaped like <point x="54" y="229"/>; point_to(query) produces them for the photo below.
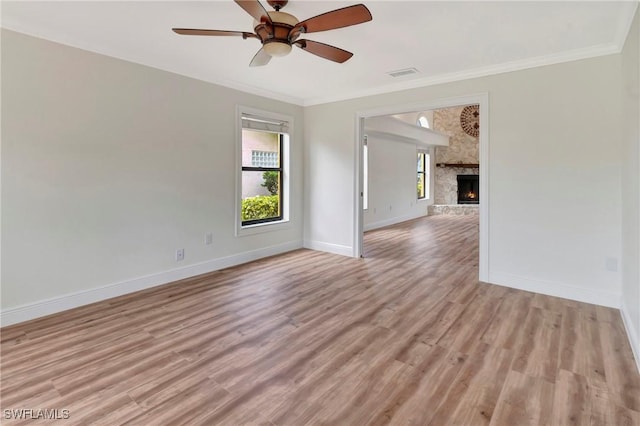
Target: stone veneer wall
<point x="462" y="149"/>
<point x="457" y="210"/>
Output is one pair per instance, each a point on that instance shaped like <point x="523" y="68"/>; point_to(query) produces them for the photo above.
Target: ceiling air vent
<point x="400" y="73"/>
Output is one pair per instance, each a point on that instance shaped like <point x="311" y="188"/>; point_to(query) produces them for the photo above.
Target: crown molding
<point x="623" y="27"/>
<point x="558" y="58"/>
<point x="229" y="84"/>
<point x="624" y="24"/>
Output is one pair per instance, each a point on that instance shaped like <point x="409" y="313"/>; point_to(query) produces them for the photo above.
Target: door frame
<point x="479" y="98"/>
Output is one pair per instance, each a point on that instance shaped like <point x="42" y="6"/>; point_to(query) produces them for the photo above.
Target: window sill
<point x="260" y="228"/>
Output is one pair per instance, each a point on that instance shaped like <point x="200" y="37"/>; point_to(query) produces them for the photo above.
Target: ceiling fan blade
<point x="261" y="58"/>
<point x="339" y="18"/>
<point x="326" y="51"/>
<point x="255" y="9"/>
<point x="194" y="31"/>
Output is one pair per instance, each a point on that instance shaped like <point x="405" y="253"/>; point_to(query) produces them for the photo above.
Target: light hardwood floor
<point x="405" y="336"/>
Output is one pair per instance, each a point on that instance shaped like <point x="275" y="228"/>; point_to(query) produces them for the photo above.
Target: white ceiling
<point x="445" y="41"/>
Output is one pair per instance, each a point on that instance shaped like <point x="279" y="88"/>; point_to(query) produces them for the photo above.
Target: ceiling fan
<point x="279" y="31"/>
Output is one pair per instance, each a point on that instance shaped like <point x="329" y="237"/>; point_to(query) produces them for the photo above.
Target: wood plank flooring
<point x="405" y="336"/>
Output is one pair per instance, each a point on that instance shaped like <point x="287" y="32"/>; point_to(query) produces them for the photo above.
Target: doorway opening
<point x="394" y="172"/>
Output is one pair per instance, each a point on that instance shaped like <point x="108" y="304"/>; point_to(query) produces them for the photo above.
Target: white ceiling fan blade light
<point x="261" y="58"/>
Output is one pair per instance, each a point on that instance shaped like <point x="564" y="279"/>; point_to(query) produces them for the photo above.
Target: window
<point x="263" y="172"/>
<point x="365" y="174"/>
<point x="424" y="160"/>
<point x="264" y="158"/>
<point x="423" y="122"/>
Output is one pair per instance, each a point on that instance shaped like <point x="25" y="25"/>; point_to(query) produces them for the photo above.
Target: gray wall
<point x="108" y="167"/>
<point x="393" y="194"/>
<point x="631" y="186"/>
<point x="554" y="174"/>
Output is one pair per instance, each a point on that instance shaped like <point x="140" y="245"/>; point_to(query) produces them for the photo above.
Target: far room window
<point x="263" y="176"/>
<point x="423" y="175"/>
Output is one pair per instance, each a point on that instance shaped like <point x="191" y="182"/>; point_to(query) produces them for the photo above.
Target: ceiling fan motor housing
<point x="276" y="42"/>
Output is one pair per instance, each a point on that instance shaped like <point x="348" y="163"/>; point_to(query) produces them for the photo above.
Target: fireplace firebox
<point x="468" y="189"/>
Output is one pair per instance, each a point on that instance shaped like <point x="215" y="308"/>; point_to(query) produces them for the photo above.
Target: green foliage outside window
<point x="260" y="207"/>
<point x="271" y="181"/>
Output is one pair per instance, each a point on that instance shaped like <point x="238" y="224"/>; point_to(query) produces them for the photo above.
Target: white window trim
<point x="258" y="228"/>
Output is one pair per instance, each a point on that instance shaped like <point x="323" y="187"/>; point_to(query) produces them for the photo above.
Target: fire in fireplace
<point x="468" y="189"/>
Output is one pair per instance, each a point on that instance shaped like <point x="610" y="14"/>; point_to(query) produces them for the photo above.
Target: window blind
<point x="251" y="122"/>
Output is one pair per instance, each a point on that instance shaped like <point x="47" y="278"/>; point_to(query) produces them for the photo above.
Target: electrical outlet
<point x="208" y="238"/>
<point x="179" y="255"/>
<point x="611" y="263"/>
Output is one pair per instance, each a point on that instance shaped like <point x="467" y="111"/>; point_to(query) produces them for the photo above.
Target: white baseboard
<point x="550" y="288"/>
<point x="632" y="335"/>
<point x="391" y="221"/>
<point x="329" y="247"/>
<point x="73" y="300"/>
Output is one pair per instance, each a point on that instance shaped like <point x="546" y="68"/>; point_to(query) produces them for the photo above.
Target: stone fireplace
<point x="468" y="189"/>
<point x="456" y="181"/>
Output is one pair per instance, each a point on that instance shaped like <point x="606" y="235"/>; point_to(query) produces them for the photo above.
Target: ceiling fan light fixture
<point x="277" y="48"/>
<point x="277" y="31"/>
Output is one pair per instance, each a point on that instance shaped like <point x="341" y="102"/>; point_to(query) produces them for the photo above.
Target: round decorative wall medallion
<point x="470" y="120"/>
